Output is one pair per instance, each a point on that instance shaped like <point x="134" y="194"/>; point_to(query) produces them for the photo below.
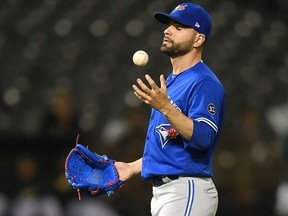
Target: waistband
<point x="161" y="180"/>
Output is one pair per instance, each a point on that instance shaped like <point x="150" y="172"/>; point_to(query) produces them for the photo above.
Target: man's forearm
<point x="136" y="166"/>
<point x="181" y="123"/>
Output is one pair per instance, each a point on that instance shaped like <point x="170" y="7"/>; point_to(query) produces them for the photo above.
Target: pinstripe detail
<point x="209" y="122"/>
<point x="190" y="197"/>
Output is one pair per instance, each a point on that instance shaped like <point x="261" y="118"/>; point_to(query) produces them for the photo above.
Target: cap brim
<point x="166" y="18"/>
<point x="162" y="17"/>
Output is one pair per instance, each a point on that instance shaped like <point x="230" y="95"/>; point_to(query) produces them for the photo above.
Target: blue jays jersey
<point x="198" y="94"/>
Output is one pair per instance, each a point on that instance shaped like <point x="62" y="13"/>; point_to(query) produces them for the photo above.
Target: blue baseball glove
<point x="91" y="173"/>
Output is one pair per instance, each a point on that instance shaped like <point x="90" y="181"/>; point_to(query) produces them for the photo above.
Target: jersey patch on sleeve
<point x="211" y="109"/>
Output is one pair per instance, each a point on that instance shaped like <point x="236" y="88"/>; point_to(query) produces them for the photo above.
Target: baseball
<point x="140" y="58"/>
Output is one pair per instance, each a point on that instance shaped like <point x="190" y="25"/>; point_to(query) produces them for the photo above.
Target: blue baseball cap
<point x="190" y="15"/>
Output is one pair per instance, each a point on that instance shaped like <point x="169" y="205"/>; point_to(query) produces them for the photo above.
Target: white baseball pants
<point x="186" y="196"/>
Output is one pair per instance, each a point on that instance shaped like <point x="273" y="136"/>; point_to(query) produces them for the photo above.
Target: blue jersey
<point x="198" y="94"/>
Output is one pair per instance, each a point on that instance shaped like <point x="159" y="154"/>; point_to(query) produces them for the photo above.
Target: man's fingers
<point x="163" y="82"/>
<point x="137" y="91"/>
<point x="140" y="94"/>
<point x="143" y="86"/>
<point x="144" y="93"/>
<point x="152" y="83"/>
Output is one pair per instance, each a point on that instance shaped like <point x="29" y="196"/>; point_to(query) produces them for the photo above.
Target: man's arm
<point x="128" y="170"/>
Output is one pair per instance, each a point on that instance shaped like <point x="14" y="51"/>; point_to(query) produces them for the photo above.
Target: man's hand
<point x="154" y="96"/>
<point x="128" y="170"/>
<point x="158" y="99"/>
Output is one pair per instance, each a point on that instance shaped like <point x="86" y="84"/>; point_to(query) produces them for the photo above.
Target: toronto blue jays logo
<point x="166" y="132"/>
<point x="179" y="7"/>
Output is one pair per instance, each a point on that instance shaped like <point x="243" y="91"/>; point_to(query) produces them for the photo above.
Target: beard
<point x="176" y="49"/>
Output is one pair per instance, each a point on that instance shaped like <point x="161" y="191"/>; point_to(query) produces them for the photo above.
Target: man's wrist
<point x="168" y="110"/>
<point x="136" y="166"/>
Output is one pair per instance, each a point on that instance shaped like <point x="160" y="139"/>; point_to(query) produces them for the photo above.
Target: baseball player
<point x="185" y="123"/>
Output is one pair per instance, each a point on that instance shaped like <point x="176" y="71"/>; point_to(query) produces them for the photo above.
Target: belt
<point x="160" y="180"/>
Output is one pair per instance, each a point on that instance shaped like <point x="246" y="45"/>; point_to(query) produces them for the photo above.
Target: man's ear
<point x="200" y="38"/>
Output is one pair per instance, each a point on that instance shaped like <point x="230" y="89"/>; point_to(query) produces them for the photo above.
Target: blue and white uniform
<point x="181" y="170"/>
<point x="198" y="94"/>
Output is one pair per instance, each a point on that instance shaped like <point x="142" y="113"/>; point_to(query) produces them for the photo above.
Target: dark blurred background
<point x="66" y="69"/>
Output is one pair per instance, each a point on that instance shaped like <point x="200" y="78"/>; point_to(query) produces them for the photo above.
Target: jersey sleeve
<point x="206" y="104"/>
